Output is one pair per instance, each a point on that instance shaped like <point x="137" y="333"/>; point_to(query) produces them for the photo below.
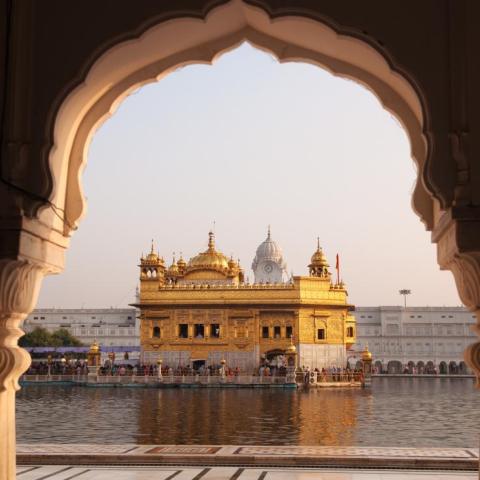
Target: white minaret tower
<point x="268" y="265"/>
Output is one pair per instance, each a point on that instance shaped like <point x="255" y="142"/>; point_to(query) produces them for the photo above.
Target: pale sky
<point x="248" y="143"/>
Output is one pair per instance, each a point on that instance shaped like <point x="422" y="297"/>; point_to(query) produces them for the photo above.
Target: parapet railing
<point x="53" y="378"/>
<point x="244" y="286"/>
<point x="165" y="379"/>
<point x="196" y="379"/>
<point x="320" y="377"/>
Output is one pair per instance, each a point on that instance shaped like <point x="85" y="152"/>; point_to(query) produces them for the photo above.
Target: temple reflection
<point x="232" y="416"/>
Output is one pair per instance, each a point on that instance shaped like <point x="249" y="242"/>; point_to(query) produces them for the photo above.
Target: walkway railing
<point x="54" y="378"/>
<point x="314" y="378"/>
<point x="165" y="379"/>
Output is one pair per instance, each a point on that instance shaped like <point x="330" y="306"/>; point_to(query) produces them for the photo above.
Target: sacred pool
<point x="433" y="412"/>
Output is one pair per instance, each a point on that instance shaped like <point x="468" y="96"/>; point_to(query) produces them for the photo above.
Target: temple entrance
<point x="198" y="365"/>
<point x="275" y="360"/>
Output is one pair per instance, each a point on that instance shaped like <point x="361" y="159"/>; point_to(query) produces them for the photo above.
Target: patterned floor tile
<point x="220" y="473"/>
<point x="128" y="474"/>
<point x="227" y="473"/>
<point x="358" y="452"/>
<point x="71" y="449"/>
<point x="186" y="450"/>
<point x="313" y="476"/>
<point x="251" y="474"/>
<point x="48" y="471"/>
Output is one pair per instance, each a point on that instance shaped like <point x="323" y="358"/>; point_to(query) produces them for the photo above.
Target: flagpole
<point x="338" y="269"/>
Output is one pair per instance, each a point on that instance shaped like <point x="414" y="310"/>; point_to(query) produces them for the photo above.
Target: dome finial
<point x="318" y="244"/>
<point x="151" y="251"/>
<point x="268" y="236"/>
<point x="211" y="241"/>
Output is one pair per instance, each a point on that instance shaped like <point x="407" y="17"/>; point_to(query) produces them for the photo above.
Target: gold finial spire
<point x="151" y="251"/>
<point x="211" y="241"/>
<point x="366" y="354"/>
<point x="318" y="244"/>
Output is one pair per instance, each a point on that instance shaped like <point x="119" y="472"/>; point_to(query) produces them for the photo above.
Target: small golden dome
<point x="232" y="263"/>
<point x="366" y="354"/>
<point x="319" y="258"/>
<point x="94" y="347"/>
<point x="181" y="262"/>
<point x="173" y="268"/>
<point x="152" y="257"/>
<point x="291" y="349"/>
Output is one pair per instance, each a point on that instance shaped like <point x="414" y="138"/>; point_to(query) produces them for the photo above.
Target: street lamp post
<point x="405" y="292"/>
<point x="49" y="365"/>
<point x="63" y="362"/>
<point x="223" y="371"/>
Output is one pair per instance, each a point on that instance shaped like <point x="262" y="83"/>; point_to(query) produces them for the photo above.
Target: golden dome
<point x="319" y="258"/>
<point x="210" y="258"/>
<point x="366" y="354"/>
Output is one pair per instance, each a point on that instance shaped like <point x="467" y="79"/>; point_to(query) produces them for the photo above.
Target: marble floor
<point x="65" y="472"/>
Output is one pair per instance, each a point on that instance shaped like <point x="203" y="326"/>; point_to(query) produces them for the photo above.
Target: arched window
<point x="156" y="332"/>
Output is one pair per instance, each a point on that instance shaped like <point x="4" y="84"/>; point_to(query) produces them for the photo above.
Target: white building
<point x="420" y="339"/>
<point x="108" y="326"/>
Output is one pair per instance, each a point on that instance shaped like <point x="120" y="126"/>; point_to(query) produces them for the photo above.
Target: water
<point x="395" y="412"/>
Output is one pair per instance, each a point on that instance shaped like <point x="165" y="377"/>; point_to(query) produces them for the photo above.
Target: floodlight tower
<point x="405" y="292"/>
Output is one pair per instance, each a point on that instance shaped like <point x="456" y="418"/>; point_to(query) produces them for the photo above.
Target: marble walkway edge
<point x="248" y="455"/>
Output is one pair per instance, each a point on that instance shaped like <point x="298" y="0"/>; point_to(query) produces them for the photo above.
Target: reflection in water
<point x="403" y="412"/>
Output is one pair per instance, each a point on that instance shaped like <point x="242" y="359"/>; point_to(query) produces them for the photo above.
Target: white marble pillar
<point x="19" y="285"/>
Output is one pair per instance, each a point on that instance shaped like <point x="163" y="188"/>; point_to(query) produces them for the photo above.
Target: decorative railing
<point x="165" y="379"/>
<point x="300" y="378"/>
<point x="320" y="377"/>
<point x="227" y="286"/>
<point x="54" y="378"/>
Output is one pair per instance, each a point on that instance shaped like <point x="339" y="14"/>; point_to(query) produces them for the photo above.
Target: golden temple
<point x="203" y="311"/>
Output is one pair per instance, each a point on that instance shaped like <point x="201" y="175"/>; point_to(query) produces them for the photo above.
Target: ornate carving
<point x="19" y="285"/>
<point x="458" y="252"/>
<point x="466" y="270"/>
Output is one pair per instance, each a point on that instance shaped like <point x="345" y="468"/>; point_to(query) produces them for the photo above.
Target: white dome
<point x="269" y="251"/>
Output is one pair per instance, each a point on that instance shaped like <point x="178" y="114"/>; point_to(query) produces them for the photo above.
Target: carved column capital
<point x="20" y="282"/>
<point x="457" y="235"/>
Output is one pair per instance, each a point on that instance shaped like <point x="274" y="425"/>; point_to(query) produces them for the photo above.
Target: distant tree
<point x="63" y="338"/>
<point x="41" y="337"/>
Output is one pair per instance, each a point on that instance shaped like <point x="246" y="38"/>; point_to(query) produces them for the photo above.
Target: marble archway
<point x="151" y="53"/>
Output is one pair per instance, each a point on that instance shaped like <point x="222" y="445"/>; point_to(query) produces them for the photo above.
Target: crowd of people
<point x="79" y="367"/>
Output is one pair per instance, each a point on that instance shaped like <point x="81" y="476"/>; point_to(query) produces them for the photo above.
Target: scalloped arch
<point x="174" y="43"/>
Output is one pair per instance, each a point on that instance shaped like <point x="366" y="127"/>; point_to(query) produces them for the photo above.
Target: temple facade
<point x="200" y="312"/>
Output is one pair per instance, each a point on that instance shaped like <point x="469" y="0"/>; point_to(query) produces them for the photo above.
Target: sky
<point x="247" y="143"/>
